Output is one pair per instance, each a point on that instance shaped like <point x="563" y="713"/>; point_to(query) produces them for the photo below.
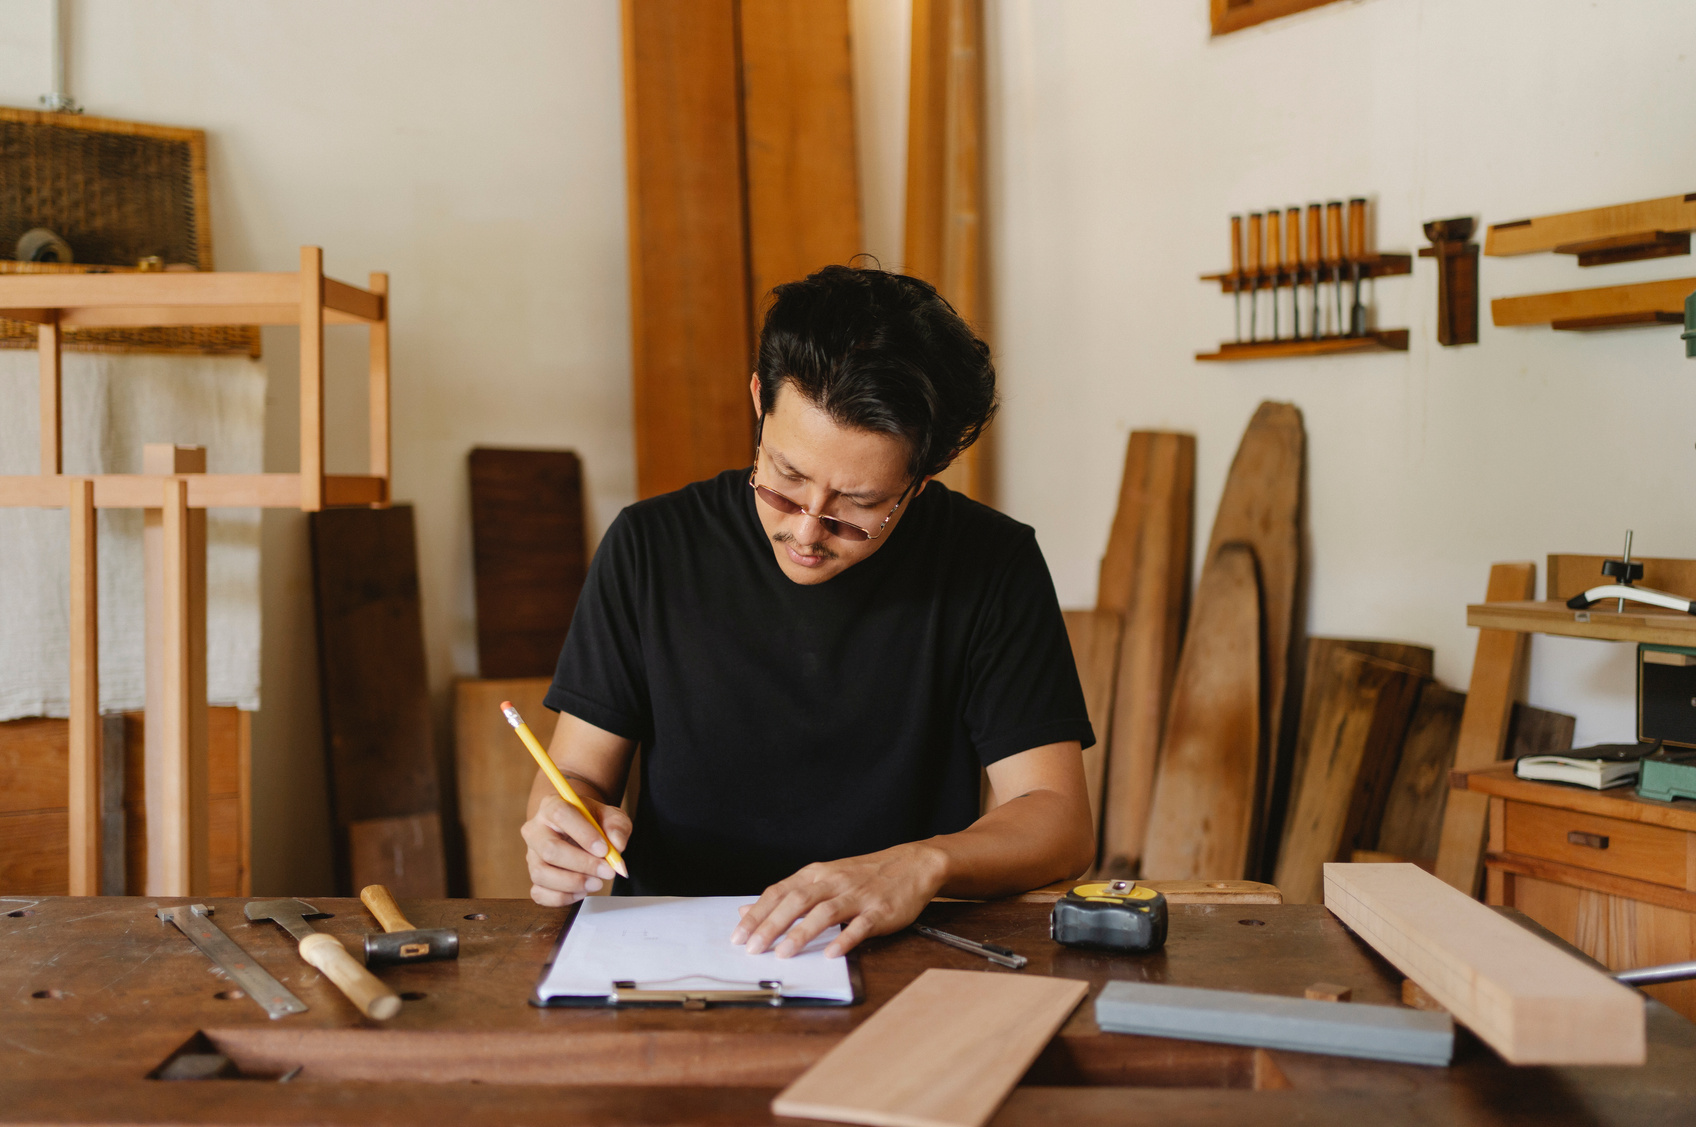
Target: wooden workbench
<point x="95" y="993"/>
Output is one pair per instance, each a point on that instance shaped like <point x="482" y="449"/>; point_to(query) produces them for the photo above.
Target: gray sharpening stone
<point x="1344" y="1029"/>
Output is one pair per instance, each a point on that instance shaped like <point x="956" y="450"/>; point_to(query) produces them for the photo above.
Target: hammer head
<point x="292" y="914"/>
<point x="416" y="946"/>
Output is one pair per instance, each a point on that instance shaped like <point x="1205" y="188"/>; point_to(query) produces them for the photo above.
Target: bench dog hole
<point x="1252" y="923"/>
<point x="22" y="912"/>
<point x="472" y="916"/>
<point x="413" y="996"/>
<point x="48" y="994"/>
<point x="230" y="995"/>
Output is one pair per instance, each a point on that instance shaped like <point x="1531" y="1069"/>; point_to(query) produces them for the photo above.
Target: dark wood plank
<point x="1413" y="815"/>
<point x="375" y="697"/>
<point x="1207" y="795"/>
<point x="1538" y="731"/>
<point x="689" y="311"/>
<point x="529" y="555"/>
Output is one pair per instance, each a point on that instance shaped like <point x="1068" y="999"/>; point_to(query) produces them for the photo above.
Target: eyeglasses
<point x="834" y="526"/>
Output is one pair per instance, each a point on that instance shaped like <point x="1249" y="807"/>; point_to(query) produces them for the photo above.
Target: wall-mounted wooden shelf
<point x="1623" y="233"/>
<point x="1392" y="340"/>
<point x="1638" y="623"/>
<point x="1608" y="307"/>
<point x="1372" y="266"/>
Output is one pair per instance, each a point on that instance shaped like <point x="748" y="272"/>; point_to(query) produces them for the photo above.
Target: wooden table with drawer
<point x="1611" y="873"/>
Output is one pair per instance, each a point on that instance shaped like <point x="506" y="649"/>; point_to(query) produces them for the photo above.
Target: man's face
<point x="832" y="470"/>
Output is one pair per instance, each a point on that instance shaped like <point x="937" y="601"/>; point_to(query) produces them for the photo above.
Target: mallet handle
<point x="362" y="988"/>
<point x="382" y="904"/>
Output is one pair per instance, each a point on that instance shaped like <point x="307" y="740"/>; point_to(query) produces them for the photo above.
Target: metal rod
<point x="1648" y="976"/>
<point x="1001" y="956"/>
<point x="1626" y="578"/>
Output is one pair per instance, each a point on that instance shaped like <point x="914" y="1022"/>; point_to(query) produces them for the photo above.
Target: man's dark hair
<point x="880" y="352"/>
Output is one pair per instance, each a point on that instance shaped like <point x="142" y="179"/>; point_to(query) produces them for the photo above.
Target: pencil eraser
<point x="505" y="704"/>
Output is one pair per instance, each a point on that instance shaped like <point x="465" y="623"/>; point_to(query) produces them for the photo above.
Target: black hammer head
<point x="416" y="946"/>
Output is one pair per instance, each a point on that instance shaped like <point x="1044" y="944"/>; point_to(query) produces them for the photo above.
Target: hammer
<point x="402" y="942"/>
<point x="325" y="952"/>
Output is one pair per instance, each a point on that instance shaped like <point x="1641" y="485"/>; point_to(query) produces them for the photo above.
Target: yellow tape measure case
<point x="1118" y="915"/>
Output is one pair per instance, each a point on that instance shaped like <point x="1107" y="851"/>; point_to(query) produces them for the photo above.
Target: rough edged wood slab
<point x="1361" y="706"/>
<point x="529" y="556"/>
<point x="1268" y="1021"/>
<point x="1413" y="814"/>
<point x="942" y="1053"/>
<point x="1261" y="506"/>
<point x="1094" y="635"/>
<point x="1498" y="680"/>
<point x="1207" y="794"/>
<point x="1527" y="999"/>
<point x="1145" y="577"/>
<point x="1538" y="731"/>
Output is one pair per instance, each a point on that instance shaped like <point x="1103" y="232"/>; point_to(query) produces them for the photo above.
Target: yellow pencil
<point x="558" y="780"/>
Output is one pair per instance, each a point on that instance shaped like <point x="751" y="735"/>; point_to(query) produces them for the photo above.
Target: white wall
<point x="1124" y="137"/>
<point x="476" y="152"/>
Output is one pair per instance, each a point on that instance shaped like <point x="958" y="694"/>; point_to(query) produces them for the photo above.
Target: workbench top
<point x="98" y="993"/>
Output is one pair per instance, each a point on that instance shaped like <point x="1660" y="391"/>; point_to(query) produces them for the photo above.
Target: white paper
<point x="682" y="943"/>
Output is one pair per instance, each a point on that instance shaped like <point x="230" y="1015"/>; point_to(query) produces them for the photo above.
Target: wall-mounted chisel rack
<point x="1598" y="237"/>
<point x="1332" y="258"/>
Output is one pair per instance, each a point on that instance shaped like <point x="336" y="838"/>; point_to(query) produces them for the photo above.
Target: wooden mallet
<point x="400" y="941"/>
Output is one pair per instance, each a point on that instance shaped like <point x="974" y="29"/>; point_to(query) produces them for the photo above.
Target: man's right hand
<point x="567" y="858"/>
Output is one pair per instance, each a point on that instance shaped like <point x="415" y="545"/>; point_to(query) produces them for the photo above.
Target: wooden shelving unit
<point x="1637" y="623"/>
<point x="1392" y="340"/>
<point x="172" y="492"/>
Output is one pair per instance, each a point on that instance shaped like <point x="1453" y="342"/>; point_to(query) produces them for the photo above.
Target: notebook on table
<point x="676" y="950"/>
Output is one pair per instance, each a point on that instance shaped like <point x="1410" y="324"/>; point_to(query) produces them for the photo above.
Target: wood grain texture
<point x="529" y="554"/>
<point x="1413" y="814"/>
<point x="1207" y="794"/>
<point x="1095" y="636"/>
<point x="1498" y="779"/>
<point x="372" y="681"/>
<point x="798" y="123"/>
<point x="1360" y="709"/>
<point x="404" y="853"/>
<point x="311" y="299"/>
<point x="1538" y="731"/>
<point x="1604" y="301"/>
<point x="943" y="235"/>
<point x="943" y="1053"/>
<point x="1629" y="849"/>
<point x="495" y="776"/>
<point x="1261" y="506"/>
<point x="692" y="343"/>
<point x="1527" y="999"/>
<point x="1144" y="576"/>
<point x="1498" y="680"/>
<point x="84" y="723"/>
<point x="1547" y="232"/>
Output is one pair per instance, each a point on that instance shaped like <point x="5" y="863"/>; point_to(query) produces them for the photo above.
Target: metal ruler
<point x="193" y="921"/>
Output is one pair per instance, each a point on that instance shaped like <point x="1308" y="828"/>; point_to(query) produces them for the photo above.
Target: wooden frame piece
<point x="1457" y="279"/>
<point x="1621" y="233"/>
<point x="1529" y="1000"/>
<point x="1606" y="307"/>
<point x="52" y="396"/>
<point x="1227" y="16"/>
<point x="84" y="805"/>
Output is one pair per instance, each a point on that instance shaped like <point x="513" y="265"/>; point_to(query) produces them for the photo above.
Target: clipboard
<point x="631" y="994"/>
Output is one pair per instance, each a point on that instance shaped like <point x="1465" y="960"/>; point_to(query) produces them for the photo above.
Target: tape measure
<point x="1118" y="915"/>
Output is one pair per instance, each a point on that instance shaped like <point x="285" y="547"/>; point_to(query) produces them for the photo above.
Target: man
<point x="818" y="655"/>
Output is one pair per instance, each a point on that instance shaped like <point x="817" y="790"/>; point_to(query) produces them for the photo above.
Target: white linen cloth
<point x="114" y="403"/>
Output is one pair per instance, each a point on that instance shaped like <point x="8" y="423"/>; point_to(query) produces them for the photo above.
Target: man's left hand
<point x="869" y="895"/>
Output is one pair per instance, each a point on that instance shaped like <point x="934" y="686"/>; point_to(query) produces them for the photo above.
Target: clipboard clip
<point x="627" y="992"/>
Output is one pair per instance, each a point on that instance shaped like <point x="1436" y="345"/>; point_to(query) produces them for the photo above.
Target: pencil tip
<point x="618" y="867"/>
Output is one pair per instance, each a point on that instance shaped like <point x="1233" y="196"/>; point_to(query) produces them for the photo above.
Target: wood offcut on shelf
<point x="1622" y="233"/>
<point x="1606" y="307"/>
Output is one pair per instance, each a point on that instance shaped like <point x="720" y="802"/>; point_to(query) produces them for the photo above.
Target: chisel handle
<point x="1255" y="221"/>
<point x="382" y="905"/>
<point x="1236" y="246"/>
<point x="1357" y="231"/>
<point x="1334" y="233"/>
<point x="1292" y="239"/>
<point x="362" y="988"/>
<point x="1315" y="237"/>
<point x="1274" y="240"/>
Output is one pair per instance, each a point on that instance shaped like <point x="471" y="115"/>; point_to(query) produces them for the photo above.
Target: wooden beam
<point x="1498" y="680"/>
<point x="379" y="386"/>
<point x="177" y="289"/>
<point x="84" y="804"/>
<point x="692" y="344"/>
<point x="798" y="120"/>
<point x="310" y="294"/>
<point x="52" y="398"/>
<point x="149" y="316"/>
<point x="214" y="491"/>
<point x="362" y="305"/>
<point x="1549" y="232"/>
<point x="1666" y="297"/>
<point x="1526" y="998"/>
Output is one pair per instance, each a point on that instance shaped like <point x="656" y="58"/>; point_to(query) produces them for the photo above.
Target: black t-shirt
<point x="781" y="723"/>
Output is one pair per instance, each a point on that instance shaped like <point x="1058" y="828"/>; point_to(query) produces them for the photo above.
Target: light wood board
<point x="1527" y="999"/>
<point x="1261" y="506"/>
<point x="1546" y="232"/>
<point x="1604" y="301"/>
<point x="1360" y="708"/>
<point x="1207" y="794"/>
<point x="1498" y="680"/>
<point x="1094" y="635"/>
<point x="1145" y="577"/>
<point x="944" y="1052"/>
<point x="495" y="775"/>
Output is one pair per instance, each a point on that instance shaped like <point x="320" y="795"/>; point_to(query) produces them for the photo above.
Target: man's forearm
<point x="1024" y="843"/>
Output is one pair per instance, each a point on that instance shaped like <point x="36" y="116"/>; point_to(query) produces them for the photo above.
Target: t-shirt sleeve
<point x="601" y="676"/>
<point x="1023" y="690"/>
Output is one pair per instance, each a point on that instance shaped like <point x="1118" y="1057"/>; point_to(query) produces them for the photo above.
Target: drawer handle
<point x="1589" y="841"/>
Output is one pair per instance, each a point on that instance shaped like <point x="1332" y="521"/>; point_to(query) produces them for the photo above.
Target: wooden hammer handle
<point x="382" y="904"/>
<point x="362" y="988"/>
